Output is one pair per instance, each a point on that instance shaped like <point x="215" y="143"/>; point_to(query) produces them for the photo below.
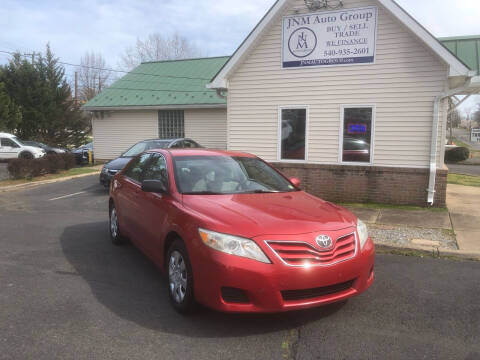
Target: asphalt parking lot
<point x="67" y="293"/>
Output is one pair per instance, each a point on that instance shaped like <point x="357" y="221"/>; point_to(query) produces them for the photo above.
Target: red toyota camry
<point x="234" y="234"/>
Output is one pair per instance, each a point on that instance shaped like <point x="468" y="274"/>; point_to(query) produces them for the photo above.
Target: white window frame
<point x="279" y="132"/>
<point x="341" y="131"/>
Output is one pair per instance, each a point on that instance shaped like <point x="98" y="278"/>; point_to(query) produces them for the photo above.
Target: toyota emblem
<point x="324" y="241"/>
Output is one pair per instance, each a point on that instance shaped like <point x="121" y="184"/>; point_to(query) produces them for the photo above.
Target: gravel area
<point x="403" y="236"/>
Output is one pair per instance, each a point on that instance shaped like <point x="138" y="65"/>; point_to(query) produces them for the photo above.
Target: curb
<point x="431" y="251"/>
<point x="44" y="182"/>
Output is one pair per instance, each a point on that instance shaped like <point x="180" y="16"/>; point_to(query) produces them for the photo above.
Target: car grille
<point x="296" y="253"/>
<point x="292" y="295"/>
<point x="113" y="172"/>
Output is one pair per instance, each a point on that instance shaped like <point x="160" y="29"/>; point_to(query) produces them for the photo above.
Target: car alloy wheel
<point x="177" y="277"/>
<point x="180" y="278"/>
<point x="114" y="223"/>
<point x="115" y="235"/>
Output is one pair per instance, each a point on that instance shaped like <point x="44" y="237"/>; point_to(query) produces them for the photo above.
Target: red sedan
<point x="234" y="234"/>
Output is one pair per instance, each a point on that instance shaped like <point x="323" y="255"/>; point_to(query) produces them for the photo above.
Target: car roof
<point x="202" y="152"/>
<point x="7" y="135"/>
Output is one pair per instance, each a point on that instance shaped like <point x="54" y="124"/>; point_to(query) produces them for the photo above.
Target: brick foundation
<point x="363" y="184"/>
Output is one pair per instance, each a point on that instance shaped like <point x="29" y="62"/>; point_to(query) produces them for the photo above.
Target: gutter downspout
<point x="434" y="143"/>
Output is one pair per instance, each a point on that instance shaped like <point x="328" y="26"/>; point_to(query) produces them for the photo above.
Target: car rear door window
<point x="136" y="168"/>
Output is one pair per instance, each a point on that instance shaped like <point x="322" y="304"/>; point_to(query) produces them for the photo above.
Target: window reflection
<point x="357" y="135"/>
<point x="293" y="134"/>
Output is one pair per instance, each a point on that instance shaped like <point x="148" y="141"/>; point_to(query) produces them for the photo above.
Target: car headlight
<point x="104" y="170"/>
<point x="233" y="245"/>
<point x="362" y="233"/>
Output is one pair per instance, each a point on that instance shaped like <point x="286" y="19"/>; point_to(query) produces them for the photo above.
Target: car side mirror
<point x="295" y="181"/>
<point x="154" y="186"/>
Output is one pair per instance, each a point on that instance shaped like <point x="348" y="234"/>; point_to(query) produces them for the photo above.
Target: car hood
<point x="251" y="215"/>
<point x="32" y="148"/>
<point x="118" y="163"/>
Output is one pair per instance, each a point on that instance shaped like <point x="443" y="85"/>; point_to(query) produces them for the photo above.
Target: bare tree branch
<point x="157" y="47"/>
<point x="91" y="79"/>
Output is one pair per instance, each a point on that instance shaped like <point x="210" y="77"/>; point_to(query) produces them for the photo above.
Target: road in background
<point x="472" y="170"/>
<point x="464" y="135"/>
<point x="67" y="293"/>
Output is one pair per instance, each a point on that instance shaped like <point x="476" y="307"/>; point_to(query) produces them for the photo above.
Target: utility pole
<point x="76" y="87"/>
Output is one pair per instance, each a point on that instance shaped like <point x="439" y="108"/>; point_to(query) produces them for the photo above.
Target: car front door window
<point x="157" y="169"/>
<point x="136" y="168"/>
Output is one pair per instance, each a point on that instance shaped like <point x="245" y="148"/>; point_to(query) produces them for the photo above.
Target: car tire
<point x="115" y="234"/>
<point x="180" y="278"/>
<point x="26" y="155"/>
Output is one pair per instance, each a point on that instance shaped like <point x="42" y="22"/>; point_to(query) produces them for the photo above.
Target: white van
<point x="11" y="148"/>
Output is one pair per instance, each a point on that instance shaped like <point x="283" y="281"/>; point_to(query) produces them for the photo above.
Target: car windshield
<point x="215" y="175"/>
<point x="20" y="142"/>
<point x="34" y="143"/>
<point x="144" y="146"/>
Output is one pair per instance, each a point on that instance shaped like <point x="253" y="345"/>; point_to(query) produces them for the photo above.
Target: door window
<point x="136" y="168"/>
<point x="177" y="145"/>
<point x="9" y="142"/>
<point x="157" y="169"/>
<point x="190" y="144"/>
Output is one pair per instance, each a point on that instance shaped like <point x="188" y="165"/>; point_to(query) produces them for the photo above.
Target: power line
<point x="115" y="70"/>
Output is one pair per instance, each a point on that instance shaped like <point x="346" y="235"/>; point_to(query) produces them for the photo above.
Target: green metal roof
<point x="466" y="48"/>
<point x="163" y="83"/>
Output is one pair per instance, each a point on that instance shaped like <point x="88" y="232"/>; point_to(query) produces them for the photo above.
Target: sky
<point x="215" y="27"/>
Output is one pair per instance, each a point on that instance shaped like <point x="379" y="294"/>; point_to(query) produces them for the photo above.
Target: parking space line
<point x="66" y="196"/>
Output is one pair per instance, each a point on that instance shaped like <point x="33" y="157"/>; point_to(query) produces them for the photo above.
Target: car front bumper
<point x="277" y="287"/>
<point x="107" y="176"/>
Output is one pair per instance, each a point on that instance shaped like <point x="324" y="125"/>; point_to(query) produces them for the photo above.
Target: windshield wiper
<point x="258" y="191"/>
<point x="202" y="193"/>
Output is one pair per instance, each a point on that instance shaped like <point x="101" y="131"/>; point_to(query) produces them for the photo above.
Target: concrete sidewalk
<point x="409" y="228"/>
<point x="457" y="229"/>
<point x="464" y="205"/>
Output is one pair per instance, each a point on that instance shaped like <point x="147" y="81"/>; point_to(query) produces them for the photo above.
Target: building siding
<point x="208" y="127"/>
<point x="401" y="84"/>
<point x="119" y="130"/>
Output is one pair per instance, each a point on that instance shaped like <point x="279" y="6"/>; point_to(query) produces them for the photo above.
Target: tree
<point x="10" y="114"/>
<point x="157" y="47"/>
<point x="48" y="112"/>
<point x="92" y="76"/>
<point x="453" y="118"/>
<point x="476" y="116"/>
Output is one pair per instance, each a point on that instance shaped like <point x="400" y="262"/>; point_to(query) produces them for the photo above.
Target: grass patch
<point x="465" y="180"/>
<point x="61" y="174"/>
<point x="389" y="206"/>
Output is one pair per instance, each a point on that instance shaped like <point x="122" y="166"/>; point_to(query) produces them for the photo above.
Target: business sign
<point x="330" y="38"/>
